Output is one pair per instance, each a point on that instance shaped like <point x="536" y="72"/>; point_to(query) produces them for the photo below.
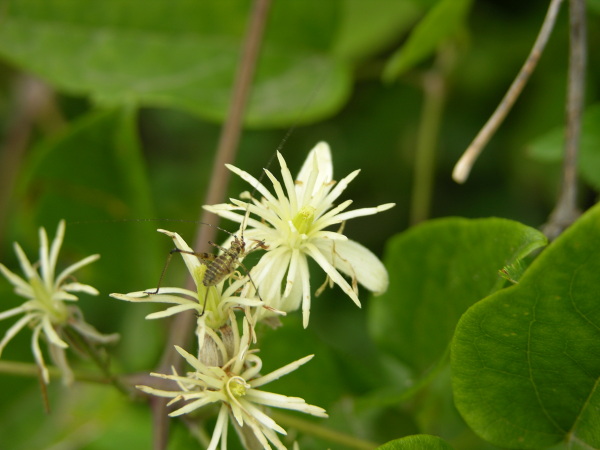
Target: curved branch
<point x="466" y="161"/>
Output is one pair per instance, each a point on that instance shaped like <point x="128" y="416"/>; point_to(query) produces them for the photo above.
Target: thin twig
<point x="566" y="211"/>
<point x="465" y="163"/>
<point x="182" y="324"/>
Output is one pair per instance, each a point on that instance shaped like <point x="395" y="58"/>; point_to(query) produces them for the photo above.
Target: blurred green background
<point x="136" y="94"/>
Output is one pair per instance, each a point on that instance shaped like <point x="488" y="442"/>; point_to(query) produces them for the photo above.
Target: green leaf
<point x="87" y="416"/>
<point x="437" y="270"/>
<point x="124" y="52"/>
<point x="417" y="442"/>
<point x="368" y="27"/>
<point x="91" y="175"/>
<point x="550" y="146"/>
<point x="440" y="23"/>
<point x="526" y="360"/>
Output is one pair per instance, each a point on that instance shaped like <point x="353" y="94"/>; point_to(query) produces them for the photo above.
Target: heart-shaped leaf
<point x="437" y="270"/>
<point x="526" y="360"/>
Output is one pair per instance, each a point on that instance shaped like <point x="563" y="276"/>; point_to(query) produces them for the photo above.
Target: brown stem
<point x="34" y="103"/>
<point x="566" y="211"/>
<point x="466" y="161"/>
<point x="182" y="325"/>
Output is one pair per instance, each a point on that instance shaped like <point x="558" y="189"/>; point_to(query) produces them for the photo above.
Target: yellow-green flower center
<point x="237" y="386"/>
<point x="304" y="219"/>
<point x="208" y="300"/>
<point x="56" y="310"/>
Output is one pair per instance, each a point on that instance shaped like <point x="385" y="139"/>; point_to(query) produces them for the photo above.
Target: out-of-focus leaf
<point x="91" y="176"/>
<point x="526" y="360"/>
<point x="87" y="416"/>
<point x="437" y="270"/>
<point x="367" y="27"/>
<point x="417" y="442"/>
<point x="443" y="20"/>
<point x="550" y="146"/>
<point x="124" y="52"/>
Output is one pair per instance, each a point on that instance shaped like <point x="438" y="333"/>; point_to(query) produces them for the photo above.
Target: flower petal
<point x="16" y="280"/>
<point x="322" y="153"/>
<point x="191" y="260"/>
<point x="364" y="212"/>
<point x="332" y="272"/>
<point x="357" y="261"/>
<point x="73" y="267"/>
<point x="14" y="329"/>
<point x="276" y="374"/>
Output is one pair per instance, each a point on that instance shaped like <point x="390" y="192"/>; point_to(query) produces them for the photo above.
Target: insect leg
<point x="203" y="256"/>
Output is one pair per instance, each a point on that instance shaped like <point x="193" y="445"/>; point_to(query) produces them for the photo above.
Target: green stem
<point x="309" y="427"/>
<point x="31" y="370"/>
<point x="434" y="87"/>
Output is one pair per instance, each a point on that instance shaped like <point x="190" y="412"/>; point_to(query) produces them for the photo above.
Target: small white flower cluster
<point x="46" y="310"/>
<point x="290" y="226"/>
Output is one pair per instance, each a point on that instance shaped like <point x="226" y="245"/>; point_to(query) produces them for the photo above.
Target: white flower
<point x="292" y="225"/>
<point x="45" y="310"/>
<point x="212" y="304"/>
<point x="228" y="375"/>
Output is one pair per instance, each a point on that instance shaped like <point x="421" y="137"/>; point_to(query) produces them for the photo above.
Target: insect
<point x="219" y="266"/>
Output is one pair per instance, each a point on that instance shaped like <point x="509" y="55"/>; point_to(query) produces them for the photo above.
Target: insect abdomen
<point x="222" y="266"/>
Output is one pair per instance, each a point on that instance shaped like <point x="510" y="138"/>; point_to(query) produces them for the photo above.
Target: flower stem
<point x="309" y="427"/>
<point x="31" y="370"/>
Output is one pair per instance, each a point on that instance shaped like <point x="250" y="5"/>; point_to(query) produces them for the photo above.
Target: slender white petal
<point x="13" y="330"/>
<point x="12" y="312"/>
<point x="26" y="266"/>
<point x="15" y="279"/>
<point x="332" y="272"/>
<point x="355" y="260"/>
<point x="74" y="267"/>
<point x="364" y="212"/>
<point x="220" y="431"/>
<point x="276" y="374"/>
<point x="55" y="249"/>
<point x="51" y="333"/>
<point x="37" y="353"/>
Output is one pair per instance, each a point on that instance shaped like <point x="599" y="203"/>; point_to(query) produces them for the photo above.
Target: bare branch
<point x="465" y="163"/>
<point x="566" y="211"/>
<point x="182" y="324"/>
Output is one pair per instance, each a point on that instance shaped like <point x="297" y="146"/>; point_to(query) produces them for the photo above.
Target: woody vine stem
<point x="182" y="324"/>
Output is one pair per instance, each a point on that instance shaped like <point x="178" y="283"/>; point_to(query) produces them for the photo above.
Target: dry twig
<point x="465" y="163"/>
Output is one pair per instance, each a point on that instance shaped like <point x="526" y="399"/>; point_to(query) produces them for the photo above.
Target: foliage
<point x="452" y="355"/>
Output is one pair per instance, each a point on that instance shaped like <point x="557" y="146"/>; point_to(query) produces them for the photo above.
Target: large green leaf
<point x="370" y="26"/>
<point x="443" y="20"/>
<point x="437" y="270"/>
<point x="417" y="442"/>
<point x="123" y="52"/>
<point x="550" y="146"/>
<point x="526" y="360"/>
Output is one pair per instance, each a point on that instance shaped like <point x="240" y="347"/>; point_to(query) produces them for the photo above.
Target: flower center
<point x="304" y="219"/>
<point x="237" y="386"/>
<point x="56" y="310"/>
